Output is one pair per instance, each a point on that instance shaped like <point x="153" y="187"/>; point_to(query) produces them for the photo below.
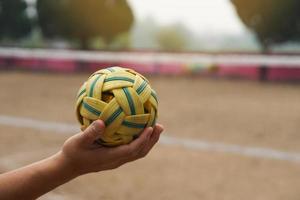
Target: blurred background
<point x="227" y="76"/>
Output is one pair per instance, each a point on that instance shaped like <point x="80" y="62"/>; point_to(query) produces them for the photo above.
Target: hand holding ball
<point x="122" y="98"/>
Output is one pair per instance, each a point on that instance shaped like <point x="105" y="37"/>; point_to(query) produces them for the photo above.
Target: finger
<point x="143" y="150"/>
<point x="158" y="129"/>
<point x="131" y="149"/>
<point x="92" y="133"/>
<point x="136" y="145"/>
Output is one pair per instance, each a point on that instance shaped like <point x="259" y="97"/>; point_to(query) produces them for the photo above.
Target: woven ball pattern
<point x="122" y="98"/>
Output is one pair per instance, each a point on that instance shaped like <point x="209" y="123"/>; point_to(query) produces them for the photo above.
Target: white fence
<point x="290" y="61"/>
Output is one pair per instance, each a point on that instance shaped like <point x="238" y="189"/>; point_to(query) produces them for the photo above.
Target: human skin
<point x="78" y="156"/>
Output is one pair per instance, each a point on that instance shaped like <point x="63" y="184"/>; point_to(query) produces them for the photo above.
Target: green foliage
<point x="34" y="40"/>
<point x="273" y="21"/>
<point x="122" y="41"/>
<point x="14" y="21"/>
<point x="170" y="39"/>
<point x="50" y="17"/>
<point x="84" y="20"/>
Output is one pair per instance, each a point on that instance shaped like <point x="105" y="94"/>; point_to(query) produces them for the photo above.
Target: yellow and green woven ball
<point x="123" y="99"/>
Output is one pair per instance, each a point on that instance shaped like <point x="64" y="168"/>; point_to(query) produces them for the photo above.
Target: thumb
<point x="92" y="132"/>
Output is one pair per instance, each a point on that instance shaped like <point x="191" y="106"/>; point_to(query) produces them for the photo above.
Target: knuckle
<point x="88" y="136"/>
<point x="93" y="129"/>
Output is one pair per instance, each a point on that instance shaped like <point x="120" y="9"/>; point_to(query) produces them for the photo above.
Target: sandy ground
<point x="230" y="111"/>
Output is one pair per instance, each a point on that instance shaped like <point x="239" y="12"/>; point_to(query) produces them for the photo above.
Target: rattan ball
<point x="123" y="99"/>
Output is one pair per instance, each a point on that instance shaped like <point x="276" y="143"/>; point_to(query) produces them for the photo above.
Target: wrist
<point x="66" y="168"/>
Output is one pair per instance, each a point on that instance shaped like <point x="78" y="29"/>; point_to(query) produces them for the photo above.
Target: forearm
<point x="34" y="180"/>
<point x="79" y="156"/>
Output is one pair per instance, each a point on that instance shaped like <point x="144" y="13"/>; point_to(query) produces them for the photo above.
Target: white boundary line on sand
<point x="195" y="144"/>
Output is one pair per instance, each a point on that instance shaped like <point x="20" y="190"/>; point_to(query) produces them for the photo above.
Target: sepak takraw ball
<point x="122" y="98"/>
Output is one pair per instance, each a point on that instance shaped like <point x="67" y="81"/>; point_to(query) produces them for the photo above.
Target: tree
<point x="14" y="21"/>
<point x="273" y="21"/>
<point x="170" y="38"/>
<point x="84" y="20"/>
